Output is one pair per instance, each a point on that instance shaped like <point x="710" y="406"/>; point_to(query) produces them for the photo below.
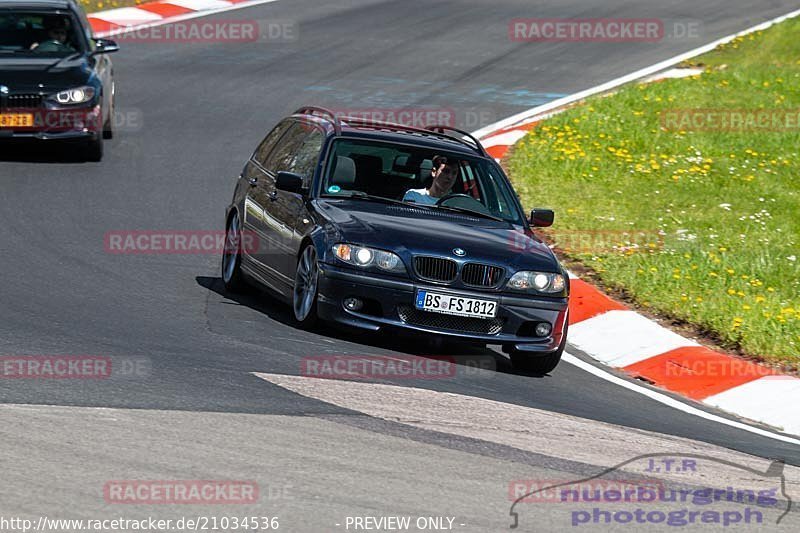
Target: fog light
<point x="542" y="329"/>
<point x="353" y="304"/>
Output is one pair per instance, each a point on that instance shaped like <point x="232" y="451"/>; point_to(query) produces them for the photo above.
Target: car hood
<point x="413" y="230"/>
<point x="23" y="74"/>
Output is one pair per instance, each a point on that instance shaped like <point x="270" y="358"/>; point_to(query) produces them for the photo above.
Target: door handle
<point x="253" y="182"/>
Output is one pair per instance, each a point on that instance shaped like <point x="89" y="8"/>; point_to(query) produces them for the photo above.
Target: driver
<point x="444" y="176"/>
<point x="57" y="33"/>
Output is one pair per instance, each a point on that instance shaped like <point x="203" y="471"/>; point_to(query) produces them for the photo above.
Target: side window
<point x="265" y="148"/>
<point x="498" y="201"/>
<point x="284" y="156"/>
<point x="308" y="156"/>
<point x="470" y="183"/>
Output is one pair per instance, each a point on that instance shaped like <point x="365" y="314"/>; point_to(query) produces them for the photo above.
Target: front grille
<point x="436" y="268"/>
<point x="23" y="101"/>
<point x="427" y="319"/>
<point x="480" y="275"/>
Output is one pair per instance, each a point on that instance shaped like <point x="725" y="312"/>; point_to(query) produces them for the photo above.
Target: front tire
<point x="232" y="256"/>
<point x="93" y="150"/>
<point x="306" y="283"/>
<point x="108" y="125"/>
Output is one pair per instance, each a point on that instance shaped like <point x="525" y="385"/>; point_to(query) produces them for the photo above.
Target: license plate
<point x="16" y="120"/>
<point x="450" y="304"/>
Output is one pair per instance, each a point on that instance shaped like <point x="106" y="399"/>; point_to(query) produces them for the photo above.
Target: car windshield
<point x="38" y="34"/>
<point x="398" y="172"/>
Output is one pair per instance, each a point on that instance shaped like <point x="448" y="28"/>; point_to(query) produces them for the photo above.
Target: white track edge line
<point x="652" y="69"/>
<point x="671" y="402"/>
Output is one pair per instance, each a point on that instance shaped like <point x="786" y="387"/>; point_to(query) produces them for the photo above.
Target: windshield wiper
<point x="364" y="196"/>
<point x="471" y="212"/>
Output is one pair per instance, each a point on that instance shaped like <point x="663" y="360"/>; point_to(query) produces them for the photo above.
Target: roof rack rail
<point x="359" y="121"/>
<point x="440" y="128"/>
<point x="321" y="112"/>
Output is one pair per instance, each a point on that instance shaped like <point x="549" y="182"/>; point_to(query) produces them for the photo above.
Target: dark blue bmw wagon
<point x="378" y="225"/>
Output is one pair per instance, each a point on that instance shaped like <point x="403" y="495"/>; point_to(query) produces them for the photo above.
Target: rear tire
<point x="536" y="363"/>
<point x="232" y="256"/>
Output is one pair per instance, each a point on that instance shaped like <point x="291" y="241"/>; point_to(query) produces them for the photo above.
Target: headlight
<point x="537" y="282"/>
<point x="369" y="257"/>
<point x="78" y="95"/>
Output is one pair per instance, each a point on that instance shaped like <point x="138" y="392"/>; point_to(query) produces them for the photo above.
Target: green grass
<point x="713" y="216"/>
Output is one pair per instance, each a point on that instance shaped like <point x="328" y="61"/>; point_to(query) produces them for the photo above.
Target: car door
<point x="298" y="151"/>
<point x="259" y="186"/>
<point x="307" y="163"/>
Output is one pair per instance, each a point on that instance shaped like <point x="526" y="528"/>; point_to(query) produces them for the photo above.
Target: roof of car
<point x="441" y="137"/>
<point x="402" y="137"/>
<point x="36" y="4"/>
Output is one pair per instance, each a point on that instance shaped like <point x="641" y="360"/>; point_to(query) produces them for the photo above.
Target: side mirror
<point x="289" y="182"/>
<point x="542" y="218"/>
<point x="105" y="46"/>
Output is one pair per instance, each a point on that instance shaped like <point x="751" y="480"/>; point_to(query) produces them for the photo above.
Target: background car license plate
<point x="451" y="304"/>
<point x="16" y="120"/>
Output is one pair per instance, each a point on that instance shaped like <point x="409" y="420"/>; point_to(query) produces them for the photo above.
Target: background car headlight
<point x="78" y="95"/>
<point x="369" y="257"/>
<point x="546" y="282"/>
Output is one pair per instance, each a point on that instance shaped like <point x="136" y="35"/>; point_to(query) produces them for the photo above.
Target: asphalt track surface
<point x="201" y="109"/>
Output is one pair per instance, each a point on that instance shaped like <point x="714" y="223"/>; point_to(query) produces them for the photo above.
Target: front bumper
<point x="49" y="135"/>
<point x="391" y="305"/>
<point x="57" y="124"/>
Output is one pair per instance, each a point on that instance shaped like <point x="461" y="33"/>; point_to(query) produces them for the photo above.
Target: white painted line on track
<point x="641" y="73"/>
<point x="672" y="402"/>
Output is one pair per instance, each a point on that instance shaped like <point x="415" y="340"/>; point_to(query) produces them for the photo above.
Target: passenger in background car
<point x="444" y="176"/>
